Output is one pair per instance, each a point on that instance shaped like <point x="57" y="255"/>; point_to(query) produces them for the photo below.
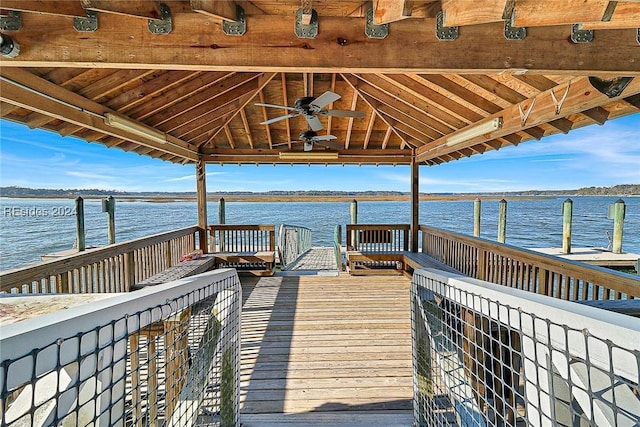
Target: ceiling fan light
<point x="135" y="128"/>
<point x="317" y="155"/>
<point x="473" y="132"/>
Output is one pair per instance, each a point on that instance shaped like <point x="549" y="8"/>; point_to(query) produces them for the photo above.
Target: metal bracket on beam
<point x="11" y="22"/>
<point x="375" y="31"/>
<point x="88" y="24"/>
<point x="444" y="33"/>
<point x="162" y="25"/>
<point x="638" y="39"/>
<point x="580" y="36"/>
<point x="237" y="27"/>
<point x="513" y="33"/>
<point x="306" y="31"/>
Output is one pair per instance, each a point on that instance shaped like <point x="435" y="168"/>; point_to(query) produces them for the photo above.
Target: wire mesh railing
<point x="165" y="355"/>
<point x="486" y="355"/>
<point x="293" y="241"/>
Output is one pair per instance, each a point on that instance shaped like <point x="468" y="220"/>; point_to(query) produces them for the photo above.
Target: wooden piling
<point x="477" y="209"/>
<point x="111" y="219"/>
<point x="221" y="211"/>
<point x="80" y="224"/>
<point x="353" y="210"/>
<point x="618" y="225"/>
<point x="502" y="221"/>
<point x="567" y="216"/>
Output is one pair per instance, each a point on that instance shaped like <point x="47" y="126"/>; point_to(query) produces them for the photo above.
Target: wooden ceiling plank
<point x="394" y="98"/>
<point x="196" y="100"/>
<point x="443" y="107"/>
<point x="134" y="8"/>
<point x="46" y="104"/>
<point x="534" y="13"/>
<point x="353" y="82"/>
<point x="626" y="15"/>
<point x="247" y="129"/>
<point x="62" y="8"/>
<point x="217" y="9"/>
<point x="177" y="94"/>
<point x="387" y="11"/>
<point x="263" y="80"/>
<point x="150" y="89"/>
<point x="470" y="12"/>
<point x="542" y="51"/>
<point x="581" y="96"/>
<point x="115" y="81"/>
<point x="462" y="92"/>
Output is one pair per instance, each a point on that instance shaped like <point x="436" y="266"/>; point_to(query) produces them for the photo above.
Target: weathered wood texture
<point x="247" y="247"/>
<point x="525" y="269"/>
<point x="320" y="344"/>
<point x="113" y="268"/>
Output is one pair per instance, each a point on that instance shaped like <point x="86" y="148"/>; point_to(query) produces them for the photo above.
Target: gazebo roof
<point x="186" y="86"/>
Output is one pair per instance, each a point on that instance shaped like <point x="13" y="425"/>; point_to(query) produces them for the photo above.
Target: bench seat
<point x="245" y="261"/>
<point x="178" y="271"/>
<point x="395" y="263"/>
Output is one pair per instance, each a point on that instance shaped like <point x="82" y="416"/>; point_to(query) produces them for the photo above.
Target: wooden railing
<point x="242" y="238"/>
<point x="378" y="237"/>
<point x="525" y="269"/>
<point x="112" y="268"/>
<point x="293" y="241"/>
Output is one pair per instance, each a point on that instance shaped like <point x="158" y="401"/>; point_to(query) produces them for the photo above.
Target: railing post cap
<point x="568" y="200"/>
<point x="620" y="201"/>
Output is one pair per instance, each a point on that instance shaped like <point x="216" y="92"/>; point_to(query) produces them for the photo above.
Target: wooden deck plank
<point x="316" y="345"/>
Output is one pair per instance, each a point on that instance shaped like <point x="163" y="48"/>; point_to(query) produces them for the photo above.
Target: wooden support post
<point x="618" y="225"/>
<point x="567" y="215"/>
<point x="201" y="184"/>
<point x="80" y="224"/>
<point x="502" y="221"/>
<point x="477" y="209"/>
<point x="353" y="210"/>
<point x="415" y="205"/>
<point x="109" y="206"/>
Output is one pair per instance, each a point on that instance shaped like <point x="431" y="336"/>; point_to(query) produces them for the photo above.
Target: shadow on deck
<point x="326" y="350"/>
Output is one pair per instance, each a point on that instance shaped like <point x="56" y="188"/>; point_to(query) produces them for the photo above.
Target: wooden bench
<point x="248" y="248"/>
<point x="178" y="271"/>
<point x="394" y="263"/>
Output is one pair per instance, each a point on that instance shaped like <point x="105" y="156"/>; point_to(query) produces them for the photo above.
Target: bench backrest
<point x="242" y="238"/>
<point x="378" y="237"/>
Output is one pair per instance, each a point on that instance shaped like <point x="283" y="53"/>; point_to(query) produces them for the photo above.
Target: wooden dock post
<point x="502" y="221"/>
<point x="109" y="206"/>
<point x="567" y="216"/>
<point x="80" y="224"/>
<point x="353" y="210"/>
<point x="477" y="209"/>
<point x="221" y="211"/>
<point x="618" y="225"/>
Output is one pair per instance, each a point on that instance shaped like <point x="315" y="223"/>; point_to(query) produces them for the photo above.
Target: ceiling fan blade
<point x="314" y="122"/>
<point x="286" y="143"/>
<point x="277" y="119"/>
<point x="324" y="100"/>
<point x="259" y="104"/>
<point x="324" y="138"/>
<point x="343" y="113"/>
<point x="334" y="145"/>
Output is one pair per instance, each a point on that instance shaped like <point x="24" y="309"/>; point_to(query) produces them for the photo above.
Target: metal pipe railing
<point x="293" y="241"/>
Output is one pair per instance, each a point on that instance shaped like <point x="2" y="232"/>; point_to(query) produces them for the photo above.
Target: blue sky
<point x="591" y="156"/>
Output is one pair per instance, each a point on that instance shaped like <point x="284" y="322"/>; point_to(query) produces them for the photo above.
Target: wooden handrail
<point x="243" y="237"/>
<point x="378" y="237"/>
<point x="526" y="269"/>
<point x="123" y="254"/>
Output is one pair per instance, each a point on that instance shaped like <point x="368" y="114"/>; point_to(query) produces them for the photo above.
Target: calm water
<point x="32" y="227"/>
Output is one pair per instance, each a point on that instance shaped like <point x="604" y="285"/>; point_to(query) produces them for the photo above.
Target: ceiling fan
<point x="310" y="108"/>
<point x="310" y="137"/>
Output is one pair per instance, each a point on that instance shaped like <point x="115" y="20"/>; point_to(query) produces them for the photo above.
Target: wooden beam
<point x="387" y="135"/>
<point x="63" y="8"/>
<point x="534" y="13"/>
<point x="367" y="137"/>
<point x="471" y="12"/>
<point x="201" y="187"/>
<point x="626" y="15"/>
<point x="581" y="96"/>
<point x="386" y="11"/>
<point x="265" y="118"/>
<point x="247" y="129"/>
<point x="415" y="204"/>
<point x="135" y="9"/>
<point x="196" y="44"/>
<point x="73" y="108"/>
<point x="227" y="132"/>
<point x="354" y="102"/>
<point x="219" y="10"/>
<point x="598" y="114"/>
<point x="307" y="12"/>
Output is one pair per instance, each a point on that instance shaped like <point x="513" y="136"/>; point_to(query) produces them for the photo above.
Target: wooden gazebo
<point x="434" y="81"/>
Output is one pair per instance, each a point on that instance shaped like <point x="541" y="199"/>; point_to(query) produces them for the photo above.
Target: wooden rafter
<point x="67" y="8"/>
<point x="581" y="96"/>
<point x="217" y="9"/>
<point x="247" y="129"/>
<point x="386" y="11"/>
<point x="265" y="118"/>
<point x="367" y="136"/>
<point x="354" y="103"/>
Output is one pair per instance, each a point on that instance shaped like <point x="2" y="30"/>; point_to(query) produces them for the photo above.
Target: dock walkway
<point x="326" y="351"/>
<point x="321" y="260"/>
